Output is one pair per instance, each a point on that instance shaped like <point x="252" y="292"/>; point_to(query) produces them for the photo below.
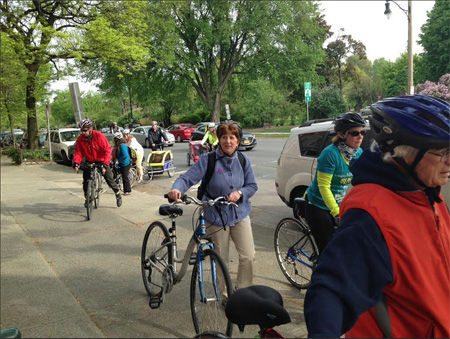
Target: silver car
<point x="141" y="134"/>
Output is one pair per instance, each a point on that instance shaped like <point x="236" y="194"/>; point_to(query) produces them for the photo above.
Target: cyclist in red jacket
<point x="95" y="148"/>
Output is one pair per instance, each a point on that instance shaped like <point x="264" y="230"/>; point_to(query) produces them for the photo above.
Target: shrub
<point x="18" y="155"/>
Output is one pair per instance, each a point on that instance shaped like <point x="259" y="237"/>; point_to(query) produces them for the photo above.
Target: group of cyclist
<point x="384" y="266"/>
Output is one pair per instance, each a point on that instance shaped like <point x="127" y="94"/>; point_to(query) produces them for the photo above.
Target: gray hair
<point x="402" y="151"/>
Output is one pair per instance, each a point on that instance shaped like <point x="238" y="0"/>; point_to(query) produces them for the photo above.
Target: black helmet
<point x="348" y="120"/>
<point x="419" y="121"/>
<point x="229" y="122"/>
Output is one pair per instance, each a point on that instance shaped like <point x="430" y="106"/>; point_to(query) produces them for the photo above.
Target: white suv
<point x="61" y="139"/>
<point x="298" y="160"/>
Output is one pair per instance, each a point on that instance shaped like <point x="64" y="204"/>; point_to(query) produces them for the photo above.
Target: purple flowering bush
<point x="440" y="90"/>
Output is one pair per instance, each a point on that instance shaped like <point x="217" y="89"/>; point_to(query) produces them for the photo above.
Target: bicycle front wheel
<point x="99" y="188"/>
<point x="210" y="288"/>
<point x="89" y="199"/>
<point x="295" y="250"/>
<point x="94" y="190"/>
<point x="155" y="258"/>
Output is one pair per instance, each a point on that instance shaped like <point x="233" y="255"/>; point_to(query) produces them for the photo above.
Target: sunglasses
<point x="84" y="130"/>
<point x="356" y="133"/>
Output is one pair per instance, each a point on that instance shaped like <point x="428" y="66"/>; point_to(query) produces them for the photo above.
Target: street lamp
<point x="408" y="14"/>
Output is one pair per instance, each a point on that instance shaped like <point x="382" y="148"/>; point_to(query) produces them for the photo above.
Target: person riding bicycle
<point x="333" y="177"/>
<point x="156" y="137"/>
<point x="132" y="142"/>
<point x="95" y="148"/>
<point x="120" y="153"/>
<point x="232" y="179"/>
<point x="210" y="138"/>
<point x="392" y="247"/>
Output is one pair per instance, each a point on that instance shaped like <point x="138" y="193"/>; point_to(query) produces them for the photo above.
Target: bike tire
<point x="188" y="158"/>
<point x="154" y="259"/>
<point x="89" y="199"/>
<point x="170" y="170"/>
<point x="210" y="315"/>
<point x="132" y="176"/>
<point x="294" y="237"/>
<point x="94" y="190"/>
<point x="99" y="188"/>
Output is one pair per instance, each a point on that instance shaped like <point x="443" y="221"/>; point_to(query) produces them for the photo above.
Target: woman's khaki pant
<point x="242" y="236"/>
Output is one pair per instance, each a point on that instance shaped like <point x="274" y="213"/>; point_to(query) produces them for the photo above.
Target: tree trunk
<point x="215" y="116"/>
<point x="31" y="107"/>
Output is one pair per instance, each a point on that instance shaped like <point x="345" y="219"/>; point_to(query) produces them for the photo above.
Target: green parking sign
<point x="307" y="92"/>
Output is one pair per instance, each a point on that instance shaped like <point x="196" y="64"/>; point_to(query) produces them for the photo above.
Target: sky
<point x="364" y="20"/>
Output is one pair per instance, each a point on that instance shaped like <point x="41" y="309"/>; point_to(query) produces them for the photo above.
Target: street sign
<point x="307" y="92"/>
<point x="227" y="109"/>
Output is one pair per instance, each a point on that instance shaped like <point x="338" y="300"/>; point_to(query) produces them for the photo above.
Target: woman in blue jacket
<point x="122" y="155"/>
<point x="236" y="181"/>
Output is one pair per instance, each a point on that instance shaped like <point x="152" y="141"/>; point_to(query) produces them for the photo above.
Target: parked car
<point x="298" y="160"/>
<point x="7" y="140"/>
<point x="41" y="139"/>
<point x="181" y="131"/>
<point x="248" y="141"/>
<point x="141" y="134"/>
<point x="60" y="140"/>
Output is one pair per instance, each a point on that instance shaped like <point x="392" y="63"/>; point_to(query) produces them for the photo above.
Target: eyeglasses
<point x="356" y="133"/>
<point x="445" y="155"/>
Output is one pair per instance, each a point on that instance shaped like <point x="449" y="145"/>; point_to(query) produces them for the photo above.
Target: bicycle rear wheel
<point x="295" y="250"/>
<point x="89" y="199"/>
<point x="132" y="176"/>
<point x="210" y="288"/>
<point x="155" y="258"/>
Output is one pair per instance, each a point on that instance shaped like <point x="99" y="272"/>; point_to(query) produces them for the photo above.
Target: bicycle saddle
<point x="256" y="305"/>
<point x="170" y="210"/>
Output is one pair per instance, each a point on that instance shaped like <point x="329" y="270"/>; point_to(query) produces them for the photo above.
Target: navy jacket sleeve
<point x="349" y="278"/>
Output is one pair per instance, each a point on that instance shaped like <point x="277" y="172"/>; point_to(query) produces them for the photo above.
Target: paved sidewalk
<point x="63" y="276"/>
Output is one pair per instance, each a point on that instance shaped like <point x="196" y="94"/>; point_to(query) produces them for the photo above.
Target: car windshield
<point x="70" y="135"/>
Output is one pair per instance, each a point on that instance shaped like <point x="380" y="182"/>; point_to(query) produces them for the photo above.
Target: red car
<point x="181" y="131"/>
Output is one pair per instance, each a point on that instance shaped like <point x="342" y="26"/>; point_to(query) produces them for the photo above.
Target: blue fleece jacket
<point x="355" y="265"/>
<point x="228" y="176"/>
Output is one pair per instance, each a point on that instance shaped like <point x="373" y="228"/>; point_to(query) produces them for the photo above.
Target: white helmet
<point x="211" y="124"/>
<point x="118" y="135"/>
<point x="126" y="131"/>
<point x="154" y="123"/>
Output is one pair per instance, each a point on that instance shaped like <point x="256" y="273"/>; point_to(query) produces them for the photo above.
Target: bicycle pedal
<point x="155" y="302"/>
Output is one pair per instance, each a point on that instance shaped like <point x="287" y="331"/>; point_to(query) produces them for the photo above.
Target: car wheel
<point x="65" y="159"/>
<point x="179" y="138"/>
<point x="147" y="143"/>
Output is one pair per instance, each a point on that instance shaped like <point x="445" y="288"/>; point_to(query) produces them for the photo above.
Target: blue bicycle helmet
<point x="419" y="121"/>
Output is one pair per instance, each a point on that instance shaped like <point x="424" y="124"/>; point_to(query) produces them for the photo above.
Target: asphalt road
<point x="63" y="276"/>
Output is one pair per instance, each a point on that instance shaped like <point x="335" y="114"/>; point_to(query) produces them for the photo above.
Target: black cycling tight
<point x="321" y="224"/>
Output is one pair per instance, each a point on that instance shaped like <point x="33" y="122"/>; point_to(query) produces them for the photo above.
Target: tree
<point x="327" y="102"/>
<point x="435" y="39"/>
<point x="214" y="40"/>
<point x="339" y="50"/>
<point x="46" y="30"/>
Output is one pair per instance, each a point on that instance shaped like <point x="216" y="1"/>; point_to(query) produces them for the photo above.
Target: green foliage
<point x="326" y="103"/>
<point x="435" y="39"/>
<point x="18" y="155"/>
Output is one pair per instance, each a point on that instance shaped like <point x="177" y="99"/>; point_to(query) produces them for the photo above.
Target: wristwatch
<point x="240" y="192"/>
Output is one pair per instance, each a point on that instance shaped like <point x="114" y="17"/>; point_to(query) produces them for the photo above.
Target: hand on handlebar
<point x="174" y="195"/>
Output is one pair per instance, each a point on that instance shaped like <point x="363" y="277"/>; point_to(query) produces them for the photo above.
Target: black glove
<point x="75" y="165"/>
<point x="336" y="221"/>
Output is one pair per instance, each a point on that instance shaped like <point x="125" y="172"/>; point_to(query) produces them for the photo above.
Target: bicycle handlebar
<point x="187" y="199"/>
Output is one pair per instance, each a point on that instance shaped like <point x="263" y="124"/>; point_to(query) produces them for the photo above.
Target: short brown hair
<point x="227" y="128"/>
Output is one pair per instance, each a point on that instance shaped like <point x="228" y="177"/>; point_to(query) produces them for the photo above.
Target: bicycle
<point x="94" y="187"/>
<point x="210" y="280"/>
<point x="254" y="305"/>
<point x="157" y="162"/>
<point x="117" y="175"/>
<point x="295" y="248"/>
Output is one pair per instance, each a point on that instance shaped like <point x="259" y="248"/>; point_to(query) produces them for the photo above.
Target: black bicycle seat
<point x="256" y="305"/>
<point x="170" y="210"/>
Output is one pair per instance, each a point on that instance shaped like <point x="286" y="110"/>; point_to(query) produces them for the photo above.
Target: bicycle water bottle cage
<point x="171" y="210"/>
<point x="256" y="305"/>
